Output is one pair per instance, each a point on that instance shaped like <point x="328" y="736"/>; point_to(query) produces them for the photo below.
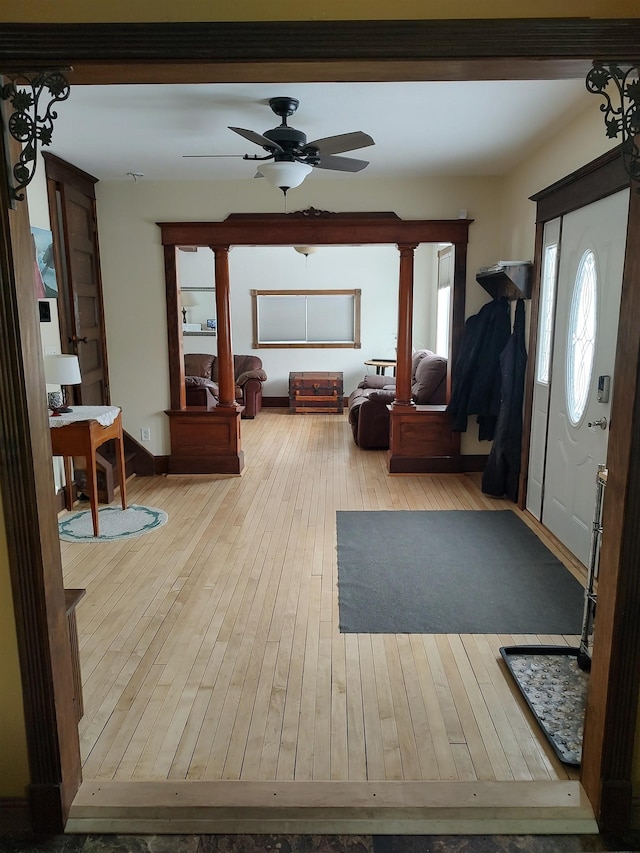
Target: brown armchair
<point x="201" y="381"/>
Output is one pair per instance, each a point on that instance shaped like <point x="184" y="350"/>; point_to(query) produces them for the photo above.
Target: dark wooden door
<point x="75" y="238"/>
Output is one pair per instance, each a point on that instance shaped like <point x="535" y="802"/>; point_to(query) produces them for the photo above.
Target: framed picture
<point x="211" y="325"/>
<point x="47" y="286"/>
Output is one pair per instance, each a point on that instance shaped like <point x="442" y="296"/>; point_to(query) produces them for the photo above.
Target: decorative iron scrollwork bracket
<point x="622" y="112"/>
<point x="32" y="98"/>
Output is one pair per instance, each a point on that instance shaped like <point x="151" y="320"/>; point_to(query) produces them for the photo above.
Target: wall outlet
<point x="145" y="433"/>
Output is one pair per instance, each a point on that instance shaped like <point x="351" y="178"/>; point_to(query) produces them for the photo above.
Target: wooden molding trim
<point x="438" y="464"/>
<point x="14" y="815"/>
<point x="330" y="230"/>
<point x="66" y="173"/>
<point x="595" y="180"/>
<point x="161" y="465"/>
<point x="534" y="309"/>
<point x="309" y="41"/>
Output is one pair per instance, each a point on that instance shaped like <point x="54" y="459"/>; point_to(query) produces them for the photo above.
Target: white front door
<point x="592" y="250"/>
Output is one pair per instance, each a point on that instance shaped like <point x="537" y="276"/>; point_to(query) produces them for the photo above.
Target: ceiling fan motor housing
<point x="293" y="144"/>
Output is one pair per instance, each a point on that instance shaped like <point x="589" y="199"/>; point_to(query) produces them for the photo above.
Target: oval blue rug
<point x="114" y="523"/>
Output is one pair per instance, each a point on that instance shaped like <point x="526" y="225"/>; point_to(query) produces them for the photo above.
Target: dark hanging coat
<point x="502" y="472"/>
<point x="476" y="377"/>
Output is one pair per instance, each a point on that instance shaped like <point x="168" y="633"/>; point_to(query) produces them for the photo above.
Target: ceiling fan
<point x="290" y="158"/>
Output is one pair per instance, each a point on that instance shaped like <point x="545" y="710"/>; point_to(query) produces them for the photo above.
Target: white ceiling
<point x="420" y="128"/>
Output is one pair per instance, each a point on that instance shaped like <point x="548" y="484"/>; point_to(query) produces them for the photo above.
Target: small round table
<point x="381" y="365"/>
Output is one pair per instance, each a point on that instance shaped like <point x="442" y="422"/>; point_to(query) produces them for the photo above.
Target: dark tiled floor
<point x="319" y="844"/>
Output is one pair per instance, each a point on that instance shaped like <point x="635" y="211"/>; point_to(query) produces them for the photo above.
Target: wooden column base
<point x="205" y="441"/>
<point x="421" y="441"/>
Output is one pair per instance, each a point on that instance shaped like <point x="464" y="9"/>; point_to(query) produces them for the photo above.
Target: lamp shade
<point x="187" y="299"/>
<point x="62" y="370"/>
<point x="285" y="174"/>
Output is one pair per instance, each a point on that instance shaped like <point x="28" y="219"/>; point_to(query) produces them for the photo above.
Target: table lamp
<point x="188" y="300"/>
<point x="61" y="370"/>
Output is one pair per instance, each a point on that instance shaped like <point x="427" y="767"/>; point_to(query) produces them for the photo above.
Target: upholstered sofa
<point x="201" y="381"/>
<point x="368" y="404"/>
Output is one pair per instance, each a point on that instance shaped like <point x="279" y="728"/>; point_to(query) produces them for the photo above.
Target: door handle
<point x="74" y="339"/>
<point x="599" y="422"/>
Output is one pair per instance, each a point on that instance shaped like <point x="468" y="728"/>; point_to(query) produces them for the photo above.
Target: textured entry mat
<point x="450" y="572"/>
<point x="555" y="689"/>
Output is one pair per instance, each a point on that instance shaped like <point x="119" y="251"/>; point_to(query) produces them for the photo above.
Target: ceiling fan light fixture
<point x="285" y="174"/>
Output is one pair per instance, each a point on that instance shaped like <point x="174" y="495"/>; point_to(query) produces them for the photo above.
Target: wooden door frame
<point x="615" y="680"/>
<point x="60" y="177"/>
<point x="551" y="48"/>
<point x="30" y="511"/>
<point x="304" y="228"/>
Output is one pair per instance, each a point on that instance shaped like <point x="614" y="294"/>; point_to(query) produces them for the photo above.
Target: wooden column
<point x="420" y="437"/>
<point x="405" y="320"/>
<point x="226" y="381"/>
<point x="174" y="329"/>
<point x="207" y="441"/>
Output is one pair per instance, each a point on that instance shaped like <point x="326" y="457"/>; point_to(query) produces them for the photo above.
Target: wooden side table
<point x="381" y="365"/>
<point x="80" y="433"/>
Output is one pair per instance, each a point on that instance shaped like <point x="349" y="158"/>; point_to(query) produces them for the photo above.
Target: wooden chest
<point x="316" y="391"/>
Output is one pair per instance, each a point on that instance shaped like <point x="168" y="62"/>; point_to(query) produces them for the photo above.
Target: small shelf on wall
<point x="507" y="278"/>
<point x="199" y="334"/>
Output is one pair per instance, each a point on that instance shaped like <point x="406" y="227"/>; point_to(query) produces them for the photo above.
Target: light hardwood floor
<point x="210" y="649"/>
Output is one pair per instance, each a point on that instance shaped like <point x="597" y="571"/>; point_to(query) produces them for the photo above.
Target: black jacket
<point x="502" y="472"/>
<point x="476" y="376"/>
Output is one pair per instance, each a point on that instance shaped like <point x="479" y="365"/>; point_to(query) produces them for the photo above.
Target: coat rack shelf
<point x="507" y="278"/>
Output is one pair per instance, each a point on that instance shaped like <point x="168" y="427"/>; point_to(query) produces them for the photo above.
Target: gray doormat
<point x="555" y="689"/>
<point x="451" y="572"/>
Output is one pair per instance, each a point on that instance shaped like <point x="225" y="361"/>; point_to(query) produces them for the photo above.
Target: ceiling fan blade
<point x="342" y="164"/>
<point x="252" y="136"/>
<point x="341" y="142"/>
<point x="196" y="156"/>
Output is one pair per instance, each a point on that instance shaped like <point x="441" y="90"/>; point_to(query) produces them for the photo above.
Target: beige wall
<point x="292" y="10"/>
<point x="581" y="141"/>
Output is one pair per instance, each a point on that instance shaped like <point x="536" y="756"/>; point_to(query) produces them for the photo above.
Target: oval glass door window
<point x="581" y="338"/>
